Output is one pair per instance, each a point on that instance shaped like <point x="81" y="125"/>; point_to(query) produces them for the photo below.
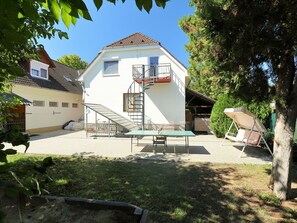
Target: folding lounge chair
<point x="250" y="130"/>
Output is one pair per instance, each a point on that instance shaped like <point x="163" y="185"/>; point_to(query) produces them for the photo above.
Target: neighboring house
<point x="55" y="94"/>
<point x="136" y="83"/>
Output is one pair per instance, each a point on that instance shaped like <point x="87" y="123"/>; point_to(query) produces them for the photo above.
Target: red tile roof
<point x="134" y="40"/>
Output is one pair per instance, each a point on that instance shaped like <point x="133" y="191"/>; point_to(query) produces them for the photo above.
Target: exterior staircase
<point x="136" y="90"/>
<point x="113" y="116"/>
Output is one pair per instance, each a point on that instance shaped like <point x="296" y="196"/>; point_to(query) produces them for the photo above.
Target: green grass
<point x="172" y="192"/>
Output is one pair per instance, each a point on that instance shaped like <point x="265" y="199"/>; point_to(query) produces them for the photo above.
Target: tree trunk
<point x="286" y="112"/>
<point x="282" y="157"/>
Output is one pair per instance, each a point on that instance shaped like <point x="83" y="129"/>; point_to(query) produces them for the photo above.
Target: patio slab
<point x="203" y="148"/>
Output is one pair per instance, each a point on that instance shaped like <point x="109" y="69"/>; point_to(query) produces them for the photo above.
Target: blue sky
<point x="112" y="23"/>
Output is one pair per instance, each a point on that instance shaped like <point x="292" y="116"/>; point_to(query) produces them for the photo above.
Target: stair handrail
<point x="150" y="122"/>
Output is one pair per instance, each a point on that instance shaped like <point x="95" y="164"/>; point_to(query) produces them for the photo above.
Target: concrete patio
<point x="203" y="148"/>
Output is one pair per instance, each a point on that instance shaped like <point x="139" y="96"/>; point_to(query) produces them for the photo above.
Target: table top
<point x="160" y="133"/>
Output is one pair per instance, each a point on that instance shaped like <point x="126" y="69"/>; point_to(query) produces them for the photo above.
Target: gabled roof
<point x="61" y="78"/>
<point x="135" y="39"/>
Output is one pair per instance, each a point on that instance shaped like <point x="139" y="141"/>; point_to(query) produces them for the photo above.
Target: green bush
<point x="220" y="123"/>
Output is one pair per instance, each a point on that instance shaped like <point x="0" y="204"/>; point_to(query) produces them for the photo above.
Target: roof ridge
<point x="137" y="42"/>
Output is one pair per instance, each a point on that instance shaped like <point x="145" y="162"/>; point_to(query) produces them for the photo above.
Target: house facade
<point x="137" y="79"/>
<point x="54" y="93"/>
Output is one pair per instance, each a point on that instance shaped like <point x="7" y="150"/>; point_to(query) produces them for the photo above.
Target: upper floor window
<point x="111" y="67"/>
<point x="39" y="69"/>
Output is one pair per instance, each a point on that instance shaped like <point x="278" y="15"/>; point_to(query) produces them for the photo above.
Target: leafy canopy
<point x="73" y="61"/>
<point x="236" y="45"/>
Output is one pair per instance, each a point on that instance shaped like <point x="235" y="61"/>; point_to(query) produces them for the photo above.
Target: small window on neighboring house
<point x="35" y="73"/>
<point x="132" y="102"/>
<point x="74" y="105"/>
<point x="39" y="69"/>
<point x="65" y="104"/>
<point x="67" y="78"/>
<point x="111" y="68"/>
<point x="37" y="103"/>
<point x="43" y="73"/>
<point x="53" y="104"/>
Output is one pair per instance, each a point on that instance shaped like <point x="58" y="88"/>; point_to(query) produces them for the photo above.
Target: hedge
<point x="220" y="123"/>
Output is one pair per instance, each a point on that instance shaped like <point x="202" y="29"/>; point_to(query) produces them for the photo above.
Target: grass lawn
<point x="172" y="192"/>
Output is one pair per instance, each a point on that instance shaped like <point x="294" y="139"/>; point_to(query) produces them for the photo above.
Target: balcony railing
<point x="160" y="73"/>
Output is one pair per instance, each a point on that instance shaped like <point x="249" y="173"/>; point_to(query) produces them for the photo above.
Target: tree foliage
<point x="73" y="61"/>
<point x="242" y="47"/>
<point x="224" y="57"/>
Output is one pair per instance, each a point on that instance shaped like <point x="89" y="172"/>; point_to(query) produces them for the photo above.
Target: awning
<point x="9" y="96"/>
<point x="245" y="119"/>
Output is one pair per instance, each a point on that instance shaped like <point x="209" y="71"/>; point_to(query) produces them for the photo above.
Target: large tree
<point x="73" y="61"/>
<point x="243" y="46"/>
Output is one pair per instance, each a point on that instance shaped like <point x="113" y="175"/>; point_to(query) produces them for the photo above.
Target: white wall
<point x="164" y="102"/>
<point x="45" y="117"/>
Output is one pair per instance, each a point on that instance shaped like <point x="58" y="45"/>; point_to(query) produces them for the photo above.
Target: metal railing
<point x="151" y="71"/>
<point x="13" y="124"/>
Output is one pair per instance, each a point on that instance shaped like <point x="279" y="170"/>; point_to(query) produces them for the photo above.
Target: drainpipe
<point x="142" y="106"/>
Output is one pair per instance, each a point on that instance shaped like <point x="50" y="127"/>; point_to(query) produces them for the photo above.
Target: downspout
<point x="143" y="91"/>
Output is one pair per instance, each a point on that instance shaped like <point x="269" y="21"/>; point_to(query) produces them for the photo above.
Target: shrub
<point x="219" y="122"/>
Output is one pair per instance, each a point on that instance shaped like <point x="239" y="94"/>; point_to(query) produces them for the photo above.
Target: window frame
<point x="108" y="74"/>
<point x="52" y="106"/>
<point x="39" y="66"/>
<point x="35" y="70"/>
<point x="76" y="105"/>
<point x="125" y="102"/>
<point x="46" y="72"/>
<point x="63" y="103"/>
<point x="34" y="105"/>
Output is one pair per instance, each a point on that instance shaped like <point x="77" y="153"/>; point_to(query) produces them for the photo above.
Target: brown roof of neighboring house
<point x="134" y="40"/>
<point x="191" y="93"/>
<point x="10" y="96"/>
<point x="61" y="78"/>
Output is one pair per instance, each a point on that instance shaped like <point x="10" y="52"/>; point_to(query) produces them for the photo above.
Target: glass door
<point x="154" y="61"/>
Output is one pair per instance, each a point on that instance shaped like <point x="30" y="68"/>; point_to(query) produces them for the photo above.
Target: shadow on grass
<point x="172" y="192"/>
<point x="174" y="149"/>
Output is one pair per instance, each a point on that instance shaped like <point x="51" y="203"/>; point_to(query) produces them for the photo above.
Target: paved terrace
<point x="203" y="148"/>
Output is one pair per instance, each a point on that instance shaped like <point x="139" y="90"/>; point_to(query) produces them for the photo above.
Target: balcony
<point x="160" y="73"/>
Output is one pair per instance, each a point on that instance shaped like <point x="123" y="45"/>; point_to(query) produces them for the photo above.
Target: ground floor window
<point x="65" y="104"/>
<point x="53" y="104"/>
<point x="37" y="103"/>
<point x="132" y="102"/>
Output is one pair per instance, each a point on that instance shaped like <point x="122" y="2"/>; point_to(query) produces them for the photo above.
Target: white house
<point x="55" y="94"/>
<point x="136" y="80"/>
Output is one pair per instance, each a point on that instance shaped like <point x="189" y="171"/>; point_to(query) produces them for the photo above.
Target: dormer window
<point x="39" y="69"/>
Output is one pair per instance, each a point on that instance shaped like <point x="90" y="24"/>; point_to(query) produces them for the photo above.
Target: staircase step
<point x="113" y="116"/>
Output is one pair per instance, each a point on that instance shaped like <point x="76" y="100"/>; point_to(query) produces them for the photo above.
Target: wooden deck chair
<point x="250" y="130"/>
